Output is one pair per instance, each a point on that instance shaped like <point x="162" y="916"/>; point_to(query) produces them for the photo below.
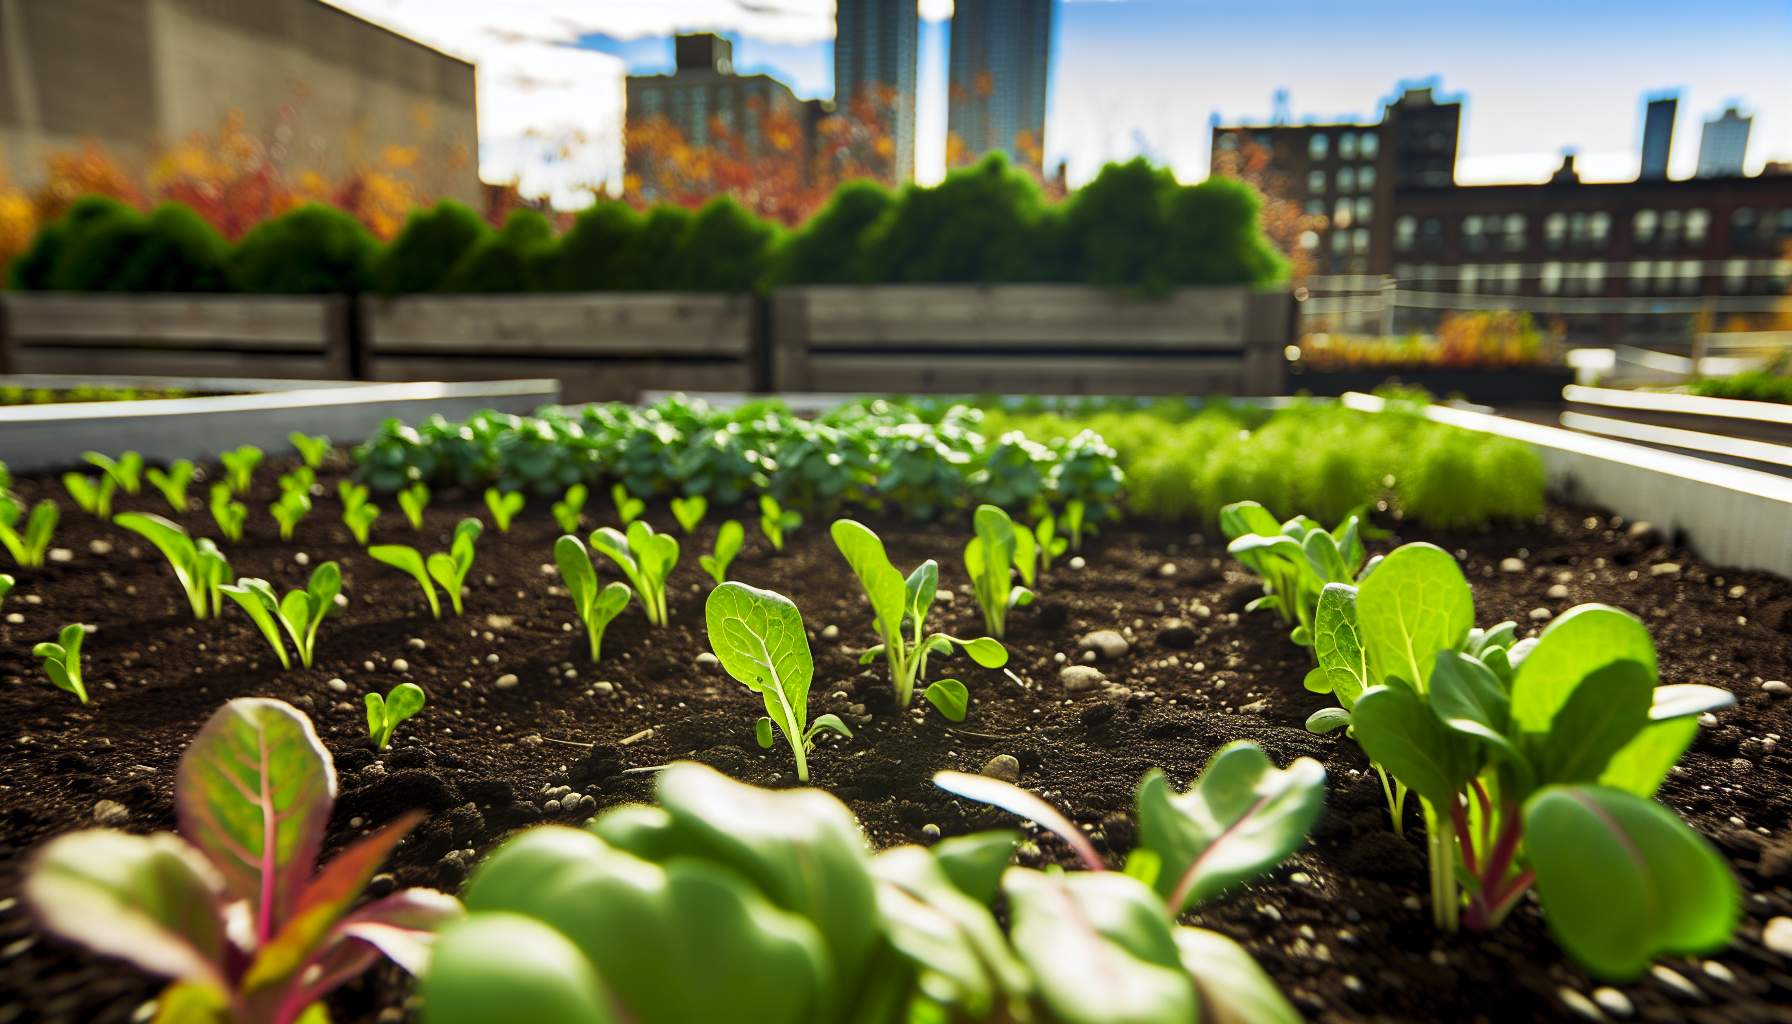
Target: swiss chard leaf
<point x="759" y="638"/>
<point x="1400" y="732"/>
<point x="1413" y="605"/>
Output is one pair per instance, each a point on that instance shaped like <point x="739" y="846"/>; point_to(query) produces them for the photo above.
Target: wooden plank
<point x="295" y="366"/>
<point x="979" y="374"/>
<point x="596" y="325"/>
<point x="841" y="316"/>
<point x="241" y="321"/>
<point x="580" y="380"/>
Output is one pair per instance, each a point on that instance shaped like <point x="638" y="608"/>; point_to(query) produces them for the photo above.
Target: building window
<point x="1555" y="230"/>
<point x="1670" y="227"/>
<point x="1341" y="214"/>
<point x="1347" y="146"/>
<point x="1360" y="239"/>
<point x="1315" y="207"/>
<point x="1472" y="239"/>
<point x="1742" y="225"/>
<point x="1317" y="144"/>
<point x="1735" y="275"/>
<point x="1370" y="145"/>
<point x="1786" y="223"/>
<point x="1599" y="226"/>
<point x="1431" y="234"/>
<point x="1514" y="232"/>
<point x="1698" y="226"/>
<point x="1365" y="176"/>
<point x="1229" y="141"/>
<point x="1406" y="232"/>
<point x="1364" y="208"/>
<point x="1471" y="277"/>
<point x="1690" y="271"/>
<point x="1639" y="275"/>
<point x="1642" y="227"/>
<point x="1315" y="183"/>
<point x="1309" y="240"/>
<point x="1346" y="179"/>
<point x="1552" y="277"/>
<point x="1340" y="241"/>
<point x="1595" y="273"/>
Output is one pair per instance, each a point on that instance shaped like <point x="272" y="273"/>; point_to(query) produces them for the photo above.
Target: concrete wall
<point x="139" y="75"/>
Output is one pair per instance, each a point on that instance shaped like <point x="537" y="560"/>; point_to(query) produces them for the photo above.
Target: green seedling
<point x="173" y="482"/>
<point x="899" y="610"/>
<point x="595" y="607"/>
<point x="230" y="515"/>
<point x="989" y="558"/>
<point x="1026" y="556"/>
<point x="503" y="505"/>
<point x="300" y="612"/>
<point x="728" y="542"/>
<point x="412" y="501"/>
<point x="232" y="910"/>
<point x="239" y="467"/>
<point x="450" y="569"/>
<point x="690" y="511"/>
<point x="92" y="495"/>
<point x="358" y="513"/>
<point x="628" y="509"/>
<point x="62" y="660"/>
<point x="568" y="511"/>
<point x="1295" y="560"/>
<point x="126" y="471"/>
<point x="311" y="449"/>
<point x="301" y="480"/>
<point x="289" y="510"/>
<point x="27" y="546"/>
<point x="1074" y="511"/>
<point x="776" y="522"/>
<point x="6" y="585"/>
<point x="198" y="565"/>
<point x="646" y="558"/>
<point x="759" y="638"/>
<point x="385" y="714"/>
<point x="1051" y="546"/>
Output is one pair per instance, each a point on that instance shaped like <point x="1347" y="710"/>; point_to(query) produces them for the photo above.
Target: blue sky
<point x="1146" y="76"/>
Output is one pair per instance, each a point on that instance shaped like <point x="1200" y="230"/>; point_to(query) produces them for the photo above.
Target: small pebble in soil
<point x="99" y="547"/>
<point x="830" y="632"/>
<point x="930" y="830"/>
<point x="1078" y="562"/>
<point x="14" y="618"/>
<point x="1579" y="1004"/>
<point x="1003" y="766"/>
<point x="1777" y="936"/>
<point x="61" y="555"/>
<point x="603" y="689"/>
<point x="1777" y="687"/>
<point x="1167" y="570"/>
<point x="1557" y="592"/>
<point x="1717" y="970"/>
<point x="1677" y="982"/>
<point x="1613" y="1001"/>
<point x="1665" y="569"/>
<point x="110" y="812"/>
<point x="1541" y="614"/>
<point x="400" y="665"/>
<point x="338" y="685"/>
<point x="415" y="643"/>
<point x="1079" y="678"/>
<point x="1511" y="565"/>
<point x="506" y="681"/>
<point x="1106" y="643"/>
<point x="301" y="558"/>
<point x="708" y="662"/>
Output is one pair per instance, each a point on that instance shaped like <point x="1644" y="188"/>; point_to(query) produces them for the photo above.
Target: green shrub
<point x="432" y="241"/>
<point x="830" y="248"/>
<point x="507" y="260"/>
<point x="1216" y="236"/>
<point x="1117" y="225"/>
<point x="589" y="257"/>
<point x="726" y="249"/>
<point x="99" y="233"/>
<point x="177" y="252"/>
<point x="983" y="224"/>
<point x="646" y="262"/>
<point x="312" y="250"/>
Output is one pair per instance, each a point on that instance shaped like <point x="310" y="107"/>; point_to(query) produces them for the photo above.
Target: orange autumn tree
<point x="1282" y="218"/>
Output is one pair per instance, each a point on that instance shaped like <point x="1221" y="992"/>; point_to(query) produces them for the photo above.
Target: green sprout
<point x="239" y="467"/>
<point x="569" y="510"/>
<point x="289" y="510"/>
<point x="628" y="509"/>
<point x="173" y="482"/>
<point x="311" y="449"/>
<point x="503" y="505"/>
<point x="759" y="638"/>
<point x="358" y="513"/>
<point x="385" y="714"/>
<point x="62" y="660"/>
<point x="728" y="541"/>
<point x="230" y="515"/>
<point x="92" y="495"/>
<point x="595" y="607"/>
<point x="300" y="612"/>
<point x="126" y="471"/>
<point x="775" y="521"/>
<point x="450" y="569"/>
<point x="989" y="558"/>
<point x="646" y="558"/>
<point x="28" y="546"/>
<point x="413" y="500"/>
<point x="198" y="565"/>
<point x="690" y="511"/>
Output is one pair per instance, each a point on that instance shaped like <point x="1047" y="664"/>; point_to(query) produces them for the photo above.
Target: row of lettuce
<point x="1174" y="460"/>
<point x="1133" y="226"/>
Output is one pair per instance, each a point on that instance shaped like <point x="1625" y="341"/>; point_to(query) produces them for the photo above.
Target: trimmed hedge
<point x="1132" y="227"/>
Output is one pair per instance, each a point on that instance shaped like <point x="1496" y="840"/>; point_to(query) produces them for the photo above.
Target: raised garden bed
<point x="515" y="706"/>
<point x="1503" y="386"/>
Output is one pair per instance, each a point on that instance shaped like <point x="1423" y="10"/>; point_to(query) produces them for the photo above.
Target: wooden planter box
<point x="287" y="337"/>
<point x="1503" y="386"/>
<point x="599" y="346"/>
<point x="1029" y="339"/>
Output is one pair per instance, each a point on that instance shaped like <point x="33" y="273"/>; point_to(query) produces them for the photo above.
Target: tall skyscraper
<point x="1724" y="145"/>
<point x="876" y="46"/>
<point x="1001" y="54"/>
<point x="1658" y="136"/>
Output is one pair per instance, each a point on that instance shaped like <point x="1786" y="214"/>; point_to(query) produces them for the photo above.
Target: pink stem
<point x="1460" y="817"/>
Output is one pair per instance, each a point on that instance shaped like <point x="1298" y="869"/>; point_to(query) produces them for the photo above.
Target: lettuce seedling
<point x="173" y="482"/>
<point x="989" y="558"/>
<point x="595" y="607"/>
<point x="92" y="495"/>
<point x="759" y="638"/>
<point x="628" y="509"/>
<point x="1536" y="762"/>
<point x="1074" y="511"/>
<point x="303" y="479"/>
<point x="300" y="612"/>
<point x="646" y="558"/>
<point x="239" y="467"/>
<point x="690" y="511"/>
<point x="412" y="501"/>
<point x="28" y="546"/>
<point x="503" y="505"/>
<point x="899" y="609"/>
<point x="569" y="510"/>
<point x="126" y="471"/>
<point x="311" y="449"/>
<point x="289" y="510"/>
<point x="358" y="513"/>
<point x="450" y="569"/>
<point x="230" y="909"/>
<point x="775" y="521"/>
<point x="62" y="660"/>
<point x="198" y="565"/>
<point x="6" y="585"/>
<point x="408" y="559"/>
<point x="728" y="540"/>
<point x="385" y="714"/>
<point x="1051" y="546"/>
<point x="1295" y="560"/>
<point x="230" y="515"/>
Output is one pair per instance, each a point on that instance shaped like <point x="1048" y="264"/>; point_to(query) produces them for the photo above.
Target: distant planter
<point x="1511" y="385"/>
<point x="599" y="346"/>
<point x="1029" y="339"/>
<point x="251" y="336"/>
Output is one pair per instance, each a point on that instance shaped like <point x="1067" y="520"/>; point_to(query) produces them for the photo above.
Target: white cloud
<point x="1536" y="168"/>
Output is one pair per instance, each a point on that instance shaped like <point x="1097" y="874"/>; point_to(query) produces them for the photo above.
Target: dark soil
<point x="1342" y="926"/>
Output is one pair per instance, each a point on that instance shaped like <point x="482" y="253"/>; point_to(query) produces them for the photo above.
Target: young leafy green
<point x="385" y="714"/>
<point x="1295" y="560"/>
<point x="27" y="546"/>
<point x="407" y="559"/>
<point x="595" y="607"/>
<point x="568" y="510"/>
<point x="92" y="495"/>
<point x="1074" y="511"/>
<point x="302" y="479"/>
<point x="230" y="910"/>
<point x="899" y="609"/>
<point x="503" y="505"/>
<point x="775" y="521"/>
<point x="311" y="449"/>
<point x="1051" y="546"/>
<point x="759" y="638"/>
<point x="646" y="558"/>
<point x="989" y="558"/>
<point x="300" y="612"/>
<point x="628" y="509"/>
<point x="198" y="565"/>
<point x="126" y="471"/>
<point x="239" y="467"/>
<point x="728" y="541"/>
<point x="173" y="482"/>
<point x="358" y="513"/>
<point x="289" y="510"/>
<point x="690" y="511"/>
<point x="62" y="660"/>
<point x="450" y="569"/>
<point x="230" y="515"/>
<point x="412" y="501"/>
